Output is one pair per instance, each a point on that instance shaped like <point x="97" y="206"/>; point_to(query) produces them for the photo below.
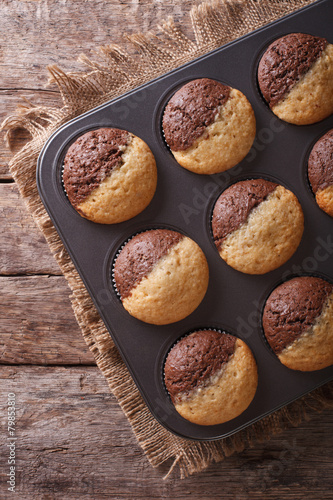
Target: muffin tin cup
<point x="183" y="201"/>
<point x="204" y="382"/>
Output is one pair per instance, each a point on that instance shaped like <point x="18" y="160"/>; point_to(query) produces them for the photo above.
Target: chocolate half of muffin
<point x="208" y="126"/>
<point x="190" y="110"/>
<point x="161" y="276"/>
<point x="109" y="175"/>
<point x="320" y="172"/>
<point x="295" y="78"/>
<point x="257" y="225"/>
<point x="211" y="377"/>
<point x="298" y="323"/>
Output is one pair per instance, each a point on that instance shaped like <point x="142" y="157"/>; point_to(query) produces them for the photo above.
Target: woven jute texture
<point x="117" y="70"/>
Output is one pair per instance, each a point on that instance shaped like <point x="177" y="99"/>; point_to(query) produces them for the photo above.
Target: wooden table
<point x="73" y="441"/>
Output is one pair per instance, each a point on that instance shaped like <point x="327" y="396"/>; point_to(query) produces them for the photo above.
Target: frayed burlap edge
<point x="114" y="72"/>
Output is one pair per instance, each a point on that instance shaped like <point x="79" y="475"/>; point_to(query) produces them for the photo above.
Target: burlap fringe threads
<point x="117" y="71"/>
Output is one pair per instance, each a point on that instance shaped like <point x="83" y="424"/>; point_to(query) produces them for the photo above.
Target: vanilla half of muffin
<point x="161" y="276"/>
<point x="109" y="175"/>
<point x="211" y="377"/>
<point x="298" y="323"/>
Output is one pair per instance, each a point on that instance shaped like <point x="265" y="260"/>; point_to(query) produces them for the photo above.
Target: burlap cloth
<point x="145" y="57"/>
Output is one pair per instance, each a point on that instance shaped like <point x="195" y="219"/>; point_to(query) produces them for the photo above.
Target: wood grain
<point x="37" y="323"/>
<point x="23" y="247"/>
<point x="44" y="32"/>
<point x="73" y="442"/>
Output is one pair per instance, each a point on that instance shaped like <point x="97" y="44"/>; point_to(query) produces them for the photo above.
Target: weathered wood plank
<point x="43" y="32"/>
<point x="37" y="323"/>
<point x="23" y="247"/>
<point x="73" y="442"/>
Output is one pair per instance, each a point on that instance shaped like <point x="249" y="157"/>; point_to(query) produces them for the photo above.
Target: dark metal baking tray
<point x="184" y="201"/>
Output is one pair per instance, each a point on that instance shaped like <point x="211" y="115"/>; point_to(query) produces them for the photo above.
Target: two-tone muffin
<point x="298" y="323"/>
<point x="109" y="175"/>
<point x="295" y="76"/>
<point x="257" y="225"/>
<point x="161" y="276"/>
<point x="209" y="127"/>
<point x="320" y="172"/>
<point x="211" y="377"/>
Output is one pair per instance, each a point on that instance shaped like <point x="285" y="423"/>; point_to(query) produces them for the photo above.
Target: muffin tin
<point x="183" y="202"/>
